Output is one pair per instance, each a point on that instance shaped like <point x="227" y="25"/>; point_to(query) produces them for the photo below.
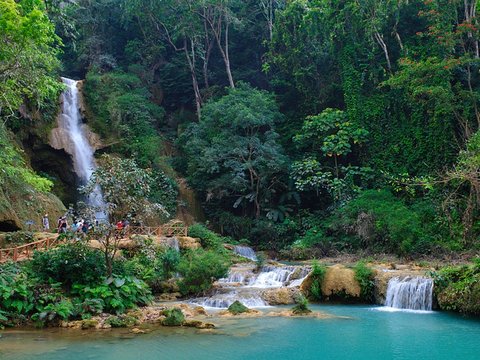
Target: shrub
<point x="237" y="308"/>
<point x="169" y="261"/>
<point x="365" y="277"/>
<point x="19" y="238"/>
<point x="458" y="288"/>
<point x="73" y="263"/>
<point x="118" y="294"/>
<point x="200" y="268"/>
<point x="174" y="317"/>
<point x="121" y="321"/>
<point x="54" y="312"/>
<point x="318" y="274"/>
<point x="208" y="238"/>
<point x="16" y="294"/>
<point x="301" y="307"/>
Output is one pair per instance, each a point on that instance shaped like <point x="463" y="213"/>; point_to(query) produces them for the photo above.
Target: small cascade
<point x="274" y="276"/>
<point x="82" y="152"/>
<point x="412" y="293"/>
<point x="245" y="251"/>
<point x="173" y="243"/>
<point x="247" y="286"/>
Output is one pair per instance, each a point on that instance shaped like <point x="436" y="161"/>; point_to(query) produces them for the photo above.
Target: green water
<point x="367" y="334"/>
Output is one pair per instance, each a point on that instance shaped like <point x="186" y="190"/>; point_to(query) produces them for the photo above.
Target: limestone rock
<point x="280" y="296"/>
<point x="198" y="324"/>
<point x="89" y="323"/>
<point x="188" y="243"/>
<point x="137" y="331"/>
<point x="340" y="280"/>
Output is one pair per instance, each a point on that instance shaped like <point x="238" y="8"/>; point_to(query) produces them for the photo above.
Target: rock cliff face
<point x="19" y="206"/>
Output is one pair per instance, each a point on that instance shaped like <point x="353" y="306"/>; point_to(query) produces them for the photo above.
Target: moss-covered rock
<point x="237" y="308"/>
<point x="174" y="317"/>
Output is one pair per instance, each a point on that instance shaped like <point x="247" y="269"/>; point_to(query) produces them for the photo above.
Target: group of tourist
<point x="78" y="226"/>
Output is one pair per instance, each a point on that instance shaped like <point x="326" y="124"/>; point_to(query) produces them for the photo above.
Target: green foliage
<point x="19" y="238"/>
<point x="301" y="307"/>
<point x="117" y="293"/>
<point x="458" y="288"/>
<point x="208" y="238"/>
<point x="13" y="167"/>
<point x="365" y="277"/>
<point x="377" y="220"/>
<point x="317" y="276"/>
<point x="232" y="153"/>
<point x="123" y="111"/>
<point x="200" y="268"/>
<point x="332" y="135"/>
<point x="170" y="261"/>
<point x="237" y="308"/>
<point x="174" y="317"/>
<point x="69" y="264"/>
<point x="28" y="55"/>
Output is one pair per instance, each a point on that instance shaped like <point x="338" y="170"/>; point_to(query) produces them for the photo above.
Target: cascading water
<point x="246" y="286"/>
<point x="81" y="150"/>
<point x="245" y="251"/>
<point x="412" y="293"/>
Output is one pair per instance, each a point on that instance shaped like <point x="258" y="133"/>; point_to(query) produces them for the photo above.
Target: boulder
<point x="280" y="296"/>
<point x="198" y="324"/>
<point x="340" y="281"/>
<point x="189" y="243"/>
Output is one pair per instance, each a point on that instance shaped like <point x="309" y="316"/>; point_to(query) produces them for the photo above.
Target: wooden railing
<point x="23" y="252"/>
<point x="167" y="230"/>
<point x="26" y="251"/>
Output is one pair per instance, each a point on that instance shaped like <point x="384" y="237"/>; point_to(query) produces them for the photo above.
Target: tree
<point x="28" y="55"/>
<point x="126" y="190"/>
<point x="232" y="152"/>
<point x="327" y="135"/>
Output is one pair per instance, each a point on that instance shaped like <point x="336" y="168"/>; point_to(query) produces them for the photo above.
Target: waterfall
<point x="82" y="152"/>
<point x="247" y="286"/>
<point x="173" y="243"/>
<point x="413" y="293"/>
<point x="245" y="251"/>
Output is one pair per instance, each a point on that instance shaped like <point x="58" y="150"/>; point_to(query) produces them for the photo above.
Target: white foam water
<point x="410" y="293"/>
<point x="82" y="151"/>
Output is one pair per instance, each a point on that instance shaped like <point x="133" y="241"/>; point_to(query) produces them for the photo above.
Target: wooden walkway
<point x="24" y="252"/>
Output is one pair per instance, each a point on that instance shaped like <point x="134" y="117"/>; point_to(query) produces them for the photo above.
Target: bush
<point x="208" y="238"/>
<point x="174" y="317"/>
<point x="169" y="262"/>
<point x="458" y="288"/>
<point x="378" y="221"/>
<point x="318" y="274"/>
<point x="200" y="268"/>
<point x="69" y="264"/>
<point x="19" y="238"/>
<point x="117" y="294"/>
<point x="301" y="308"/>
<point x="237" y="308"/>
<point x="365" y="277"/>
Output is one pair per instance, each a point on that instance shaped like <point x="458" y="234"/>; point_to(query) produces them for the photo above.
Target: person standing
<point x="45" y="223"/>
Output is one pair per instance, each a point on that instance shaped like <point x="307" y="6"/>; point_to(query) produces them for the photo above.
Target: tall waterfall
<point x="79" y="146"/>
<point x="413" y="293"/>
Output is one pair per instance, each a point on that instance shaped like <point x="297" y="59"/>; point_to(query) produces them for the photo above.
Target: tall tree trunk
<point x="225" y="53"/>
<point x="383" y="45"/>
<point x="191" y="64"/>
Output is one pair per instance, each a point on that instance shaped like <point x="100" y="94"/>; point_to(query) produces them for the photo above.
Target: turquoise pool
<point x="367" y="334"/>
